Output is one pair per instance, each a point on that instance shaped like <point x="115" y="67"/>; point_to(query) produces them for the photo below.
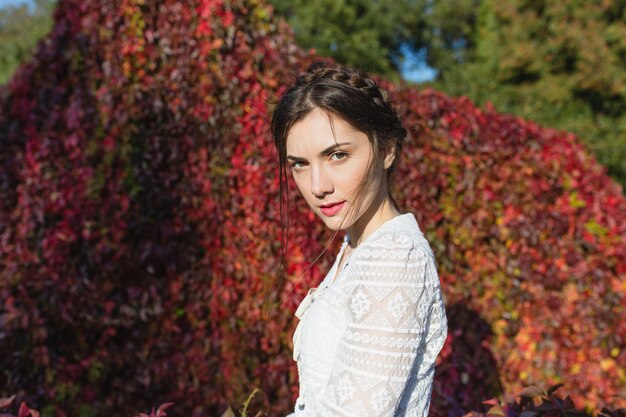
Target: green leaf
<point x="531" y="392"/>
<point x="229" y="413"/>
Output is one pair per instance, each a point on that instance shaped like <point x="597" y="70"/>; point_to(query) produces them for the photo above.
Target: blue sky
<point x="413" y="69"/>
<point x="7" y="2"/>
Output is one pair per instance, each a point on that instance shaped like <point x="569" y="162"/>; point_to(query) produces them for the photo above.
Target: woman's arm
<point x="396" y="328"/>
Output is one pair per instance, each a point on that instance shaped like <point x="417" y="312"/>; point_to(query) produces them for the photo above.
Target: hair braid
<point x="321" y="71"/>
<point x="349" y="76"/>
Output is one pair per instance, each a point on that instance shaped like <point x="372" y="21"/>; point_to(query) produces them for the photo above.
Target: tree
<point x="21" y="27"/>
<point x="450" y="33"/>
<point x="559" y="63"/>
<point x="362" y="33"/>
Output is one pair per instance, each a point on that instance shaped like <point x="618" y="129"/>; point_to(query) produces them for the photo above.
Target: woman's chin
<point x="334" y="223"/>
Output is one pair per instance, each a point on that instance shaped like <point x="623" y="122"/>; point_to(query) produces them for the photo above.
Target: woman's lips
<point x="331" y="209"/>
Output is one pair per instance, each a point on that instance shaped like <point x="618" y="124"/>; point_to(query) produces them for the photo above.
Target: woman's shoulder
<point x="395" y="254"/>
<point x="400" y="231"/>
<point x="398" y="238"/>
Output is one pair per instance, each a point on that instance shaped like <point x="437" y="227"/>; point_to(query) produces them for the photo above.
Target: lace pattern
<point x="367" y="343"/>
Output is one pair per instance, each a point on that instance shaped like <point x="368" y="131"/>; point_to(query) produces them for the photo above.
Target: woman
<point x="369" y="334"/>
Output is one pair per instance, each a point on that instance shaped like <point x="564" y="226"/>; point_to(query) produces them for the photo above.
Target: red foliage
<point x="536" y="402"/>
<point x="23" y="411"/>
<point x="530" y="233"/>
<point x="139" y="224"/>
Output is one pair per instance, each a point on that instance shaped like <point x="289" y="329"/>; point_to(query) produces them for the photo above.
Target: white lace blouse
<point x="367" y="341"/>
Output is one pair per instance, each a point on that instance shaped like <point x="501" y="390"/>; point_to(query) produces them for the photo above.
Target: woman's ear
<point x="390" y="156"/>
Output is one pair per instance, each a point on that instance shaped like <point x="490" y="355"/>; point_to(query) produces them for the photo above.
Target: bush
<point x="529" y="233"/>
<point x="139" y="224"/>
<point x="533" y="401"/>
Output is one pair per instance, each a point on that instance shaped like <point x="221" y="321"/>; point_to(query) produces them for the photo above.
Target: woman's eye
<point x="337" y="156"/>
<point x="297" y="165"/>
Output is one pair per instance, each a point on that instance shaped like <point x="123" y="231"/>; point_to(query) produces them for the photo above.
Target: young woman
<point x="369" y="334"/>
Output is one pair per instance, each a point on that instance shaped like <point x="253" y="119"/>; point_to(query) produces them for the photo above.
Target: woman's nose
<point x="321" y="184"/>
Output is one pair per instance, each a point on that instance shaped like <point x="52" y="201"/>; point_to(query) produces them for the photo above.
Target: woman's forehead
<point x="320" y="129"/>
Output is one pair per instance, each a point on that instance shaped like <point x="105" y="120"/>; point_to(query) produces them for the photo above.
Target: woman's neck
<point x="377" y="214"/>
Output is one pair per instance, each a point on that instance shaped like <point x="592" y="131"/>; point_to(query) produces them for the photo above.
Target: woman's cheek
<point x="299" y="180"/>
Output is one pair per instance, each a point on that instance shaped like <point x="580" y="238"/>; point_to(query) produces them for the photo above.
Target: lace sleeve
<point x="396" y="328"/>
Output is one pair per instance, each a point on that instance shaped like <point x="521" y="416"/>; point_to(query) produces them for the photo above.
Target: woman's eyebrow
<point x="322" y="153"/>
<point x="333" y="147"/>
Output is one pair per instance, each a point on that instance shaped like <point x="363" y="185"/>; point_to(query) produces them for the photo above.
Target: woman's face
<point x="328" y="167"/>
